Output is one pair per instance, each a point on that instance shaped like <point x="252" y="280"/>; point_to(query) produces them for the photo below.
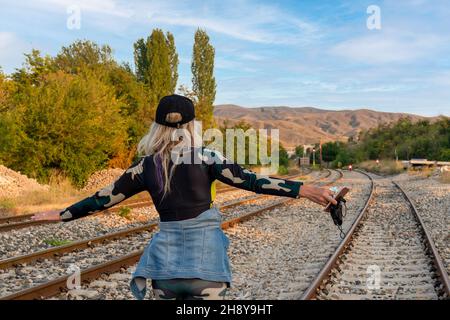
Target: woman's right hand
<point x="51" y="215"/>
<point x="322" y="196"/>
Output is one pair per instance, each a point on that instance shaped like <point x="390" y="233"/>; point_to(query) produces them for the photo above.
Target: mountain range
<point x="305" y="125"/>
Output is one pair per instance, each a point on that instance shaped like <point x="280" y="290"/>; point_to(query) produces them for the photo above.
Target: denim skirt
<point x="192" y="248"/>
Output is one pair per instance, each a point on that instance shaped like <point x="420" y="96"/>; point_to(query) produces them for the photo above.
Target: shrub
<point x="124" y="212"/>
<point x="56" y="242"/>
<point x="67" y="122"/>
<point x="386" y="167"/>
<point x="282" y="170"/>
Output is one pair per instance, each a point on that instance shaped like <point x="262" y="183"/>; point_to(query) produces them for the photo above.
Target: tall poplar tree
<point x="156" y="63"/>
<point x="159" y="73"/>
<point x="140" y="59"/>
<point x="173" y="61"/>
<point x="203" y="81"/>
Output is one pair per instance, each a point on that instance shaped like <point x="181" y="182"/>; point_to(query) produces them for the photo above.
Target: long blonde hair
<point x="159" y="142"/>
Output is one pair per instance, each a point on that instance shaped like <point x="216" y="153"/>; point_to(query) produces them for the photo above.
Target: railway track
<point x="278" y="255"/>
<point x="14" y="222"/>
<point x="55" y="286"/>
<point x="27" y="240"/>
<point x="386" y="254"/>
<point x="82" y="244"/>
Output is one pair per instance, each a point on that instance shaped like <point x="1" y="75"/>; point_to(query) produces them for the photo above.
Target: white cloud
<point x="251" y="56"/>
<point x="244" y="20"/>
<point x="388" y="48"/>
<point x="224" y="27"/>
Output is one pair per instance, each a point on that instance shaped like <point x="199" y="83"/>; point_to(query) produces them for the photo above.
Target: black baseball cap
<point x="175" y="103"/>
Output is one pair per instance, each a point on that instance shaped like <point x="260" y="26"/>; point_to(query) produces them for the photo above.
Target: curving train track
<point x="387" y="254"/>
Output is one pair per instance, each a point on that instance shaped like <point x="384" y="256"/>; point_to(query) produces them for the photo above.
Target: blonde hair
<point x="159" y="142"/>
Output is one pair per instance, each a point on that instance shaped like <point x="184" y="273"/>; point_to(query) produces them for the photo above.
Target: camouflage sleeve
<point x="128" y="184"/>
<point x="236" y="176"/>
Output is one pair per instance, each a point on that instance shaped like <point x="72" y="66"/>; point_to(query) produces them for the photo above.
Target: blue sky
<point x="295" y="53"/>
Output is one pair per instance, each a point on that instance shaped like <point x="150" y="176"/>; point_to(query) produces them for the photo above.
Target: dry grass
<point x="424" y="172"/>
<point x="386" y="167"/>
<point x="60" y="194"/>
<point x="445" y="177"/>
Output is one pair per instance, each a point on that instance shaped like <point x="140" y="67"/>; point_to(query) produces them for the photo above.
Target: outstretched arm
<point x="128" y="184"/>
<point x="236" y="176"/>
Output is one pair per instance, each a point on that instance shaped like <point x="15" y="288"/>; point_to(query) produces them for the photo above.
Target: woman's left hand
<point x="322" y="196"/>
<point x="51" y="215"/>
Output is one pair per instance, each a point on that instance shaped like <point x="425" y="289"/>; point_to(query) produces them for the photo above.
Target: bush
<point x="445" y="154"/>
<point x="403" y="139"/>
<point x="77" y="112"/>
<point x="282" y="170"/>
<point x="386" y="167"/>
<point x="124" y="212"/>
<point x="67" y="122"/>
<point x="56" y="242"/>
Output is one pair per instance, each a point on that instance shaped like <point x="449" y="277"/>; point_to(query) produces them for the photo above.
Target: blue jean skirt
<point x="192" y="248"/>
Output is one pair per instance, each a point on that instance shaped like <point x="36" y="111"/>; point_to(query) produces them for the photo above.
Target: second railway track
<point x="387" y="254"/>
<point x="27" y="240"/>
<point x="13" y="222"/>
<point x="138" y="235"/>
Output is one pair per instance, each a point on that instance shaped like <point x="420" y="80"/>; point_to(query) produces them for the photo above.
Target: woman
<point x="187" y="258"/>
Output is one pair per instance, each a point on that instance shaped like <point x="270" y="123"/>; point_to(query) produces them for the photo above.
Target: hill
<point x="305" y="125"/>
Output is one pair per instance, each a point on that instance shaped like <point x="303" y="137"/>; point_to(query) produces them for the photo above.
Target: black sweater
<point x="192" y="186"/>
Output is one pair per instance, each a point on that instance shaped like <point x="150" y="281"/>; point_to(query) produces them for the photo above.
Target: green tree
<point x="10" y="135"/>
<point x="67" y="122"/>
<point x="299" y="151"/>
<point x="140" y="60"/>
<point x="34" y="68"/>
<point x="445" y="154"/>
<point x="7" y="91"/>
<point x="187" y="92"/>
<point x="80" y="110"/>
<point x="159" y="73"/>
<point x="82" y="55"/>
<point x="156" y="63"/>
<point x="330" y="151"/>
<point x="173" y="61"/>
<point x="407" y="139"/>
<point x="284" y="157"/>
<point x="203" y="81"/>
<point x="135" y="110"/>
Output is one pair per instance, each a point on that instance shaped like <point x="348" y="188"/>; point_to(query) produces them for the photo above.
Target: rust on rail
<point x="52" y="252"/>
<point x="441" y="270"/>
<point x="324" y="274"/>
<point x="311" y="292"/>
<point x="59" y="285"/>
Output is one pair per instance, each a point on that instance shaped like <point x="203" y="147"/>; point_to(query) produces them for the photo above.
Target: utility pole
<point x="320" y="150"/>
<point x="314" y="157"/>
